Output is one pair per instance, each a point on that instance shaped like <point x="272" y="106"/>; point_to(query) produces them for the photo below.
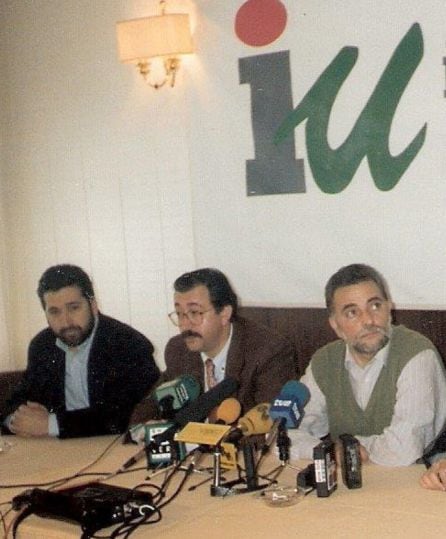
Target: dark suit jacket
<point x="121" y="370"/>
<point x="437" y="447"/>
<point x="260" y="360"/>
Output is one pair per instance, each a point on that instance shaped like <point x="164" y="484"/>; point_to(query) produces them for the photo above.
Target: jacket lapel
<point x="97" y="364"/>
<point x="234" y="361"/>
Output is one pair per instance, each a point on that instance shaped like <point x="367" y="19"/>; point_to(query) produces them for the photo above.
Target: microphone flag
<point x="289" y="404"/>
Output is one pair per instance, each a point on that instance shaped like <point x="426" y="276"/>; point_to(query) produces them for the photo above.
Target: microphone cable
<point x="62" y="480"/>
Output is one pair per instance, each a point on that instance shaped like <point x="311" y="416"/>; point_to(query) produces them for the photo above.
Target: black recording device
<point x="306" y="480"/>
<point x="92" y="505"/>
<point x="351" y="461"/>
<point x="325" y="469"/>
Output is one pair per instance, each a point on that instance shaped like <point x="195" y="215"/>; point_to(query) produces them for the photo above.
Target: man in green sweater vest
<point x="383" y="384"/>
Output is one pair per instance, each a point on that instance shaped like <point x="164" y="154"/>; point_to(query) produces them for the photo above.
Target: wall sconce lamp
<point x="165" y="36"/>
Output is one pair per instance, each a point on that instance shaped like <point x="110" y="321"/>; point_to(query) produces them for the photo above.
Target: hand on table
<point x="30" y="419"/>
<point x="435" y="477"/>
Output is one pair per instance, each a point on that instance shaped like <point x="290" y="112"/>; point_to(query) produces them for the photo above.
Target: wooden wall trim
<point x="308" y="329"/>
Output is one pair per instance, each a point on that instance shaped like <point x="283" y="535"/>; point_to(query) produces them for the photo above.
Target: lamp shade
<point x="162" y="35"/>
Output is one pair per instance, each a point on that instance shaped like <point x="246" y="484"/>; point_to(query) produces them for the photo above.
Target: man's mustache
<point x="70" y="328"/>
<point x="189" y="333"/>
<point x="370" y="329"/>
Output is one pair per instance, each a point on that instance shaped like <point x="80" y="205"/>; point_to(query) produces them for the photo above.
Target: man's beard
<point x="372" y="349"/>
<point x="75" y="335"/>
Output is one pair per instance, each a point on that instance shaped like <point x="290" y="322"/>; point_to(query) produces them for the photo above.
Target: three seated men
<point x="384" y="384"/>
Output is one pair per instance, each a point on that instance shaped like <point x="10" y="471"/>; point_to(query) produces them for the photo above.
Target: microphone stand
<point x="197" y="455"/>
<point x="283" y="443"/>
<point x="217" y="487"/>
<point x="251" y="479"/>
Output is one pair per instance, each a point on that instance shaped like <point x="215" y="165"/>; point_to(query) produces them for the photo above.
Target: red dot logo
<point x="260" y="22"/>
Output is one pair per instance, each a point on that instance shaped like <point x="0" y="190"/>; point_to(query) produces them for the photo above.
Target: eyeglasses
<point x="194" y="317"/>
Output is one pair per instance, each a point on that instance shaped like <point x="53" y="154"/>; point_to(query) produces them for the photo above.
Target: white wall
<point x="7" y="362"/>
<point x="138" y="186"/>
<point x="96" y="166"/>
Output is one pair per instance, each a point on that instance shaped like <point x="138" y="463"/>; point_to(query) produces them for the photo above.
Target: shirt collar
<point x="222" y="355"/>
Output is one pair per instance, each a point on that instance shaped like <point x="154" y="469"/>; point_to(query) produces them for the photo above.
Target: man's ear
<point x="391" y="308"/>
<point x="334" y="325"/>
<point x="226" y="314"/>
<point x="94" y="306"/>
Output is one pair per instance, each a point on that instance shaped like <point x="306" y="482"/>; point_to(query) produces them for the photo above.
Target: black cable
<point x="3" y="517"/>
<point x="20" y="518"/>
<point x="175" y="469"/>
<point x="160" y="493"/>
<point x="126" y="528"/>
<point x="55" y="482"/>
<point x="79" y="473"/>
<point x="180" y="486"/>
<point x="144" y="521"/>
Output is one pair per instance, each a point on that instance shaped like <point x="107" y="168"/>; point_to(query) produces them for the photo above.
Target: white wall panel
<point x="88" y="167"/>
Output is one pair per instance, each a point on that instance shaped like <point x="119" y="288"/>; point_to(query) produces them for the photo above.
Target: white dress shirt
<point x="76" y="378"/>
<point x="419" y="413"/>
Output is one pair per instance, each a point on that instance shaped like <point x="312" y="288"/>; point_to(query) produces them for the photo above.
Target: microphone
<point x="196" y="410"/>
<point x="228" y="412"/>
<point x="173" y="395"/>
<point x="255" y="421"/>
<point x="289" y="404"/>
<point x="287" y="410"/>
<point x="200" y="408"/>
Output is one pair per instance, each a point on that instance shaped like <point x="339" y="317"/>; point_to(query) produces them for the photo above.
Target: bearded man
<point x="383" y="384"/>
<point x="85" y="372"/>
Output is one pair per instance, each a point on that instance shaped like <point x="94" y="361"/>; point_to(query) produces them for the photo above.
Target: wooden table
<point x="390" y="504"/>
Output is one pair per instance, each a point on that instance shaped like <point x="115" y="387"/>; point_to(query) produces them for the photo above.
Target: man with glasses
<point x="215" y="342"/>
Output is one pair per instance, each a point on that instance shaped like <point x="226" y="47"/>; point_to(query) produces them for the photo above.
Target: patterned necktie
<point x="210" y="373"/>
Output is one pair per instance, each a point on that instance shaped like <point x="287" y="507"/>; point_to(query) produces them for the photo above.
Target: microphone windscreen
<point x="228" y="411"/>
<point x="290" y="403"/>
<point x="200" y="408"/>
<point x="297" y="390"/>
<point x="256" y="421"/>
<point x="177" y="392"/>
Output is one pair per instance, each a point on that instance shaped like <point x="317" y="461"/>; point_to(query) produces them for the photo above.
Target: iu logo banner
<point x="275" y="168"/>
<point x="341" y="107"/>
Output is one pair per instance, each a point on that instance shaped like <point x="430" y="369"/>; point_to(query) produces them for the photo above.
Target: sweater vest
<point x="344" y="414"/>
